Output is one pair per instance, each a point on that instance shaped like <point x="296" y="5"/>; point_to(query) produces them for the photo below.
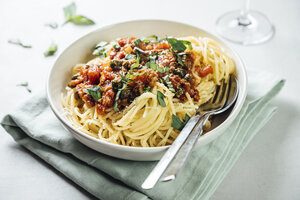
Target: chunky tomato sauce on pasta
<point x="131" y="67"/>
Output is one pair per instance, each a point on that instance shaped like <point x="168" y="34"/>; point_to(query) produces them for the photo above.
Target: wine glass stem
<point x="243" y="19"/>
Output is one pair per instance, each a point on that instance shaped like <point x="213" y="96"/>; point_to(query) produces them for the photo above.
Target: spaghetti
<point x="141" y="92"/>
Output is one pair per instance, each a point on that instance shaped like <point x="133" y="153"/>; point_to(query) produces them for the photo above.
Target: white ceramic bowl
<point x="80" y="51"/>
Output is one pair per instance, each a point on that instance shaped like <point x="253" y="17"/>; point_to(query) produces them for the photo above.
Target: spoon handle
<point x="164" y="162"/>
<point x="185" y="150"/>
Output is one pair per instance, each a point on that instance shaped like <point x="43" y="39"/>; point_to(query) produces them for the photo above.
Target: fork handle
<point x="164" y="162"/>
<point x="185" y="150"/>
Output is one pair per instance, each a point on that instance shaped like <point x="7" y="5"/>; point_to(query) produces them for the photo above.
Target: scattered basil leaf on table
<point x="70" y="11"/>
<point x="70" y="16"/>
<point x="26" y="85"/>
<point x="177" y="123"/>
<point x="53" y="25"/>
<point x="94" y="91"/>
<point x="160" y="98"/>
<point x="18" y="42"/>
<point x="51" y="50"/>
<point x="81" y="20"/>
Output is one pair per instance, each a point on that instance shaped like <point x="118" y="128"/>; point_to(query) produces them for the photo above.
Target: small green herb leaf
<point x="169" y="83"/>
<point x="188" y="43"/>
<point x="160" y="98"/>
<point x="147" y="89"/>
<point x="137" y="42"/>
<point x="100" y="49"/>
<point x="51" y="50"/>
<point x="70" y="16"/>
<point x="70" y="11"/>
<point x="177" y="123"/>
<point x="94" y="91"/>
<point x="81" y="20"/>
<point x="26" y="85"/>
<point x="179" y="59"/>
<point x="187" y="118"/>
<point x="130" y="57"/>
<point x="116" y="46"/>
<point x="179" y="45"/>
<point x="140" y="50"/>
<point x="18" y="42"/>
<point x="176" y="44"/>
<point x="135" y="65"/>
<point x="53" y="25"/>
<point x="116" y="109"/>
<point x="153" y="36"/>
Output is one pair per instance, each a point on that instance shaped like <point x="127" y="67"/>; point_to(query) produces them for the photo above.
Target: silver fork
<point x="224" y="97"/>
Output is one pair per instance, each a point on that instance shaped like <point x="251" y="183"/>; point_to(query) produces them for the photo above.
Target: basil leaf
<point x="135" y="65"/>
<point x="70" y="16"/>
<point x="26" y="85"/>
<point x="163" y="70"/>
<point x="153" y="36"/>
<point x="132" y="76"/>
<point x="160" y="98"/>
<point x="18" y="42"/>
<point x="185" y="42"/>
<point x="100" y="49"/>
<point x="137" y="42"/>
<point x="94" y="91"/>
<point x="179" y="59"/>
<point x="116" y="109"/>
<point x="116" y="46"/>
<point x="169" y="83"/>
<point x="101" y="44"/>
<point x="187" y="118"/>
<point x="183" y="53"/>
<point x="70" y="11"/>
<point x="81" y="20"/>
<point x="140" y="50"/>
<point x="151" y="64"/>
<point x="179" y="45"/>
<point x="51" y="50"/>
<point x="130" y="57"/>
<point x="53" y="25"/>
<point x="147" y="89"/>
<point x="176" y="44"/>
<point x="177" y="123"/>
<point x="146" y="40"/>
<point x="124" y="78"/>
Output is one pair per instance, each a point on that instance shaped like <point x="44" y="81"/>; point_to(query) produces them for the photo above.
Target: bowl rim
<point x="213" y="133"/>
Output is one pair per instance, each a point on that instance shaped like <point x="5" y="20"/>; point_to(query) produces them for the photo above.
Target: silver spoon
<point x="224" y="97"/>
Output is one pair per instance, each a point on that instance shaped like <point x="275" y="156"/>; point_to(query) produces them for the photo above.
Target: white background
<point x="268" y="169"/>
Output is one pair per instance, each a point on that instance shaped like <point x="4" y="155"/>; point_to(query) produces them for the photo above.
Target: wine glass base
<point x="258" y="30"/>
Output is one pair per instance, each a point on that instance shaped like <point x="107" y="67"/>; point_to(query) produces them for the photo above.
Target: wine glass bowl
<point x="246" y="27"/>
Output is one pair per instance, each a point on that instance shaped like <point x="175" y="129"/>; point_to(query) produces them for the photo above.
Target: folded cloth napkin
<point x="34" y="126"/>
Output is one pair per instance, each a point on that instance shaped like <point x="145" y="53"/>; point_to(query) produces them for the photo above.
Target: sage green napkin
<point x="34" y="126"/>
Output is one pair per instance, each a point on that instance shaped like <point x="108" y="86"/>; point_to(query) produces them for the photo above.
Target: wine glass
<point x="245" y="26"/>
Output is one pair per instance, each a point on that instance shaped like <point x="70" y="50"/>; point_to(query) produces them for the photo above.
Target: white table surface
<point x="268" y="169"/>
